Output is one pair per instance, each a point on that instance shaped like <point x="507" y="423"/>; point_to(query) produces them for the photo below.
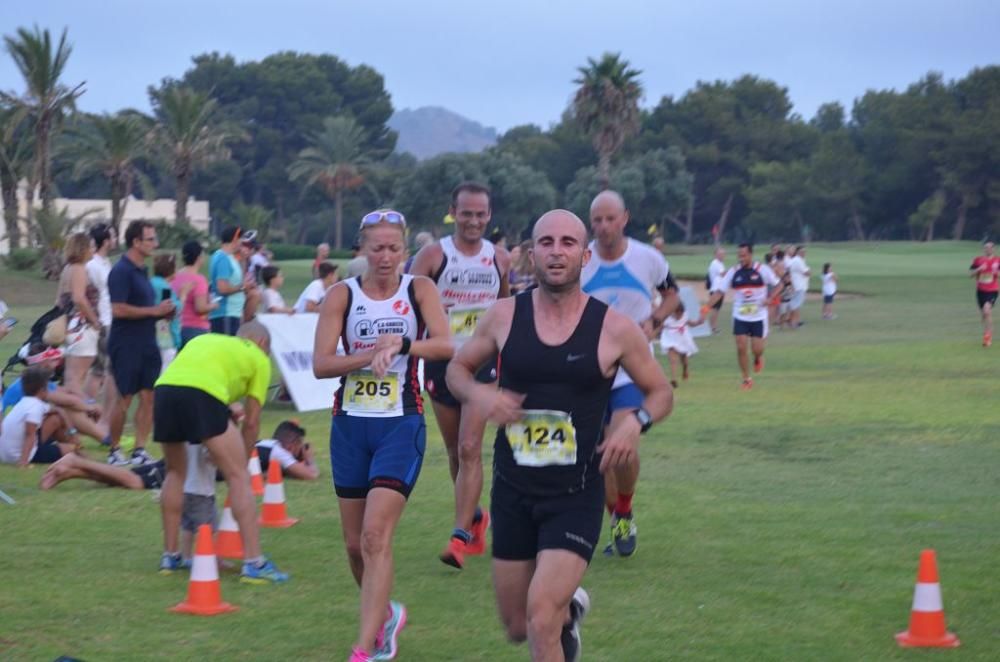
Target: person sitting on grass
<point x="289" y="448"/>
<point x="32" y="432"/>
<point x="81" y="415"/>
<point x="312" y="296"/>
<point x="271" y="299"/>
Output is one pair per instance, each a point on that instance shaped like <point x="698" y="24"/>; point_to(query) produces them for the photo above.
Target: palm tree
<point x="188" y="136"/>
<point x="110" y="145"/>
<point x="334" y="162"/>
<point x="15" y="160"/>
<point x="607" y="107"/>
<point x="46" y="99"/>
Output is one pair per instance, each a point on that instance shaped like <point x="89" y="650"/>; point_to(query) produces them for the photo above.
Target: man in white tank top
<point x="471" y="274"/>
<point x="625" y="273"/>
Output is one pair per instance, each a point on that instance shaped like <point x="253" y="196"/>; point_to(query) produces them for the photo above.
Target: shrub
<point x="23" y="259"/>
<point x="302" y="252"/>
<point x="173" y="236"/>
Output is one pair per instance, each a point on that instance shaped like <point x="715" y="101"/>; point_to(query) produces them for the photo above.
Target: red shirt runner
<point x="988" y="276"/>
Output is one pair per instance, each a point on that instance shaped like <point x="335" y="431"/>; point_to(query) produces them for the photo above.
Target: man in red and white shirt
<point x="986" y="270"/>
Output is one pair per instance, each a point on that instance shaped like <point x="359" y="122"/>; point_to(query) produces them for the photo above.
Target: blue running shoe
<point x="388" y="646"/>
<point x="170" y="563"/>
<point x="265" y="573"/>
<point x="623" y="534"/>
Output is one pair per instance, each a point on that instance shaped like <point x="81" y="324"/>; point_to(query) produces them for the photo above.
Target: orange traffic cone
<point x="204" y="595"/>
<point x="256" y="477"/>
<point x="228" y="541"/>
<point x="274" y="514"/>
<point x="927" y="627"/>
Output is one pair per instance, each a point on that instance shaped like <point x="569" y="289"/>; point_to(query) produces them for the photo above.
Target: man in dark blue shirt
<point x="132" y="348"/>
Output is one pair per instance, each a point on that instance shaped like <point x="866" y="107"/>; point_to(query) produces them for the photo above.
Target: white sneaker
<point x="570" y="638"/>
<point x="141" y="456"/>
<point x="117" y="458"/>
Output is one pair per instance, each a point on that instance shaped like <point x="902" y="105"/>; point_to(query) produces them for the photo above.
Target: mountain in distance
<point x="432" y="130"/>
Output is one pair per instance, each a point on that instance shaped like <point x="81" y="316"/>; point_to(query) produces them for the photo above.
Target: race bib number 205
<point x="543" y="438"/>
<point x="364" y="392"/>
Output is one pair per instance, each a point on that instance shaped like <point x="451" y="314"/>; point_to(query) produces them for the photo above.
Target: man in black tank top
<point x="559" y="351"/>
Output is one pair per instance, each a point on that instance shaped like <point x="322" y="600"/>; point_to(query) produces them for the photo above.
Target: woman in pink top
<point x="196" y="305"/>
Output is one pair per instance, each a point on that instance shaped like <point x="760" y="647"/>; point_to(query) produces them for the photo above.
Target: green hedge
<point x="301" y="252"/>
<point x="23" y="259"/>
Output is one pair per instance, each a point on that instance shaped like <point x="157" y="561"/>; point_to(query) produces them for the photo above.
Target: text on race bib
<point x="364" y="392"/>
<point x="463" y="321"/>
<point x="748" y="309"/>
<point x="543" y="438"/>
<point x="986" y="277"/>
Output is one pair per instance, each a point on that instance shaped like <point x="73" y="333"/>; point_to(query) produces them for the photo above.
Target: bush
<point x="302" y="252"/>
<point x="174" y="236"/>
<point x="23" y="259"/>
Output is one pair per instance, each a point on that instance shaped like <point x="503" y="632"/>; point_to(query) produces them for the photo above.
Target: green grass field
<point x="780" y="524"/>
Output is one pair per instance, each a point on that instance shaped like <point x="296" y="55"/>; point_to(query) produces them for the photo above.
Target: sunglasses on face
<point x="389" y="216"/>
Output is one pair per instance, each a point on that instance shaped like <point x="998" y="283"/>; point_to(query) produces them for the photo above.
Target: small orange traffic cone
<point x="927" y="629"/>
<point x="256" y="477"/>
<point x="228" y="541"/>
<point x="274" y="514"/>
<point x="204" y="595"/>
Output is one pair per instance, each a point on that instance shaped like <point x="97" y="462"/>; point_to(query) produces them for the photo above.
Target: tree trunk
<point x="724" y="216"/>
<point x="963" y="209"/>
<point x="181" y="203"/>
<point x="42" y="162"/>
<point x="338" y="198"/>
<point x="604" y="170"/>
<point x="930" y="230"/>
<point x="117" y="211"/>
<point x="859" y="230"/>
<point x="8" y="189"/>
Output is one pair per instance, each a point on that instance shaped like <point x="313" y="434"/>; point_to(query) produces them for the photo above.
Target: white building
<point x="161" y="209"/>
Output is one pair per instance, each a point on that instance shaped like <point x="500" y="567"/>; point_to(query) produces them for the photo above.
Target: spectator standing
<point x="135" y="356"/>
<point x="168" y="331"/>
<point x="716" y="269"/>
<point x="799" y="272"/>
<point x="271" y="299"/>
<point x="358" y="264"/>
<point x="829" y="291"/>
<point x="309" y="300"/>
<point x="98" y="268"/>
<point x="322" y="253"/>
<point x="84" y="327"/>
<point x="195" y="304"/>
<point x="225" y="280"/>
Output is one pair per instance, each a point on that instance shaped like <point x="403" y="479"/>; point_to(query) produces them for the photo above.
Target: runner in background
<point x="986" y="270"/>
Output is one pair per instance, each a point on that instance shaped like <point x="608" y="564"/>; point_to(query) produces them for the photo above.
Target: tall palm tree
<point x="46" y="99"/>
<point x="334" y="162"/>
<point x="188" y="136"/>
<point x="15" y="160"/>
<point x="110" y="145"/>
<point x="607" y="107"/>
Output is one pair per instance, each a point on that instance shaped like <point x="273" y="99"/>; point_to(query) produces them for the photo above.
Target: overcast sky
<point x="512" y="62"/>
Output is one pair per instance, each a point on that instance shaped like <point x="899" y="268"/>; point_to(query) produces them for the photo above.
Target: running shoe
<point x="454" y="553"/>
<point x="170" y="563"/>
<point x="265" y="573"/>
<point x="386" y="646"/>
<point x="758" y="363"/>
<point x="673" y="383"/>
<point x="117" y="458"/>
<point x="479" y="528"/>
<point x="571" y="641"/>
<point x="623" y="534"/>
<point x="141" y="456"/>
<point x="987" y="339"/>
<point x="358" y="655"/>
<point x="747" y="384"/>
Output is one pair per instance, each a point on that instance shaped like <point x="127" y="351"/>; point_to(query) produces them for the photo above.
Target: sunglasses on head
<point x="389" y="216"/>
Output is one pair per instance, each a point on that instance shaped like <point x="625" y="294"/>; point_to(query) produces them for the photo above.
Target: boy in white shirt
<point x="311" y="297"/>
<point x="271" y="299"/>
<point x="199" y="507"/>
<point x="29" y="421"/>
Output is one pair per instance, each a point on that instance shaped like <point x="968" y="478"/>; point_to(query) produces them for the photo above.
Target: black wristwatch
<point x="645" y="420"/>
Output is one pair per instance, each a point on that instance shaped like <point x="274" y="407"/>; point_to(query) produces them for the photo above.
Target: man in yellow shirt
<point x="197" y="401"/>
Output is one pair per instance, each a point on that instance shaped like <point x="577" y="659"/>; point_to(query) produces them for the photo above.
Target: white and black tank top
<point x="468" y="285"/>
<point x="361" y="393"/>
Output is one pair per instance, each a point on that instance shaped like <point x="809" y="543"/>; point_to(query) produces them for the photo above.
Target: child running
<point x="677" y="342"/>
<point x="829" y="291"/>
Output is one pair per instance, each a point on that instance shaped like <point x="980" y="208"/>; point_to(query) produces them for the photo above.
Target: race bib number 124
<point x="543" y="438"/>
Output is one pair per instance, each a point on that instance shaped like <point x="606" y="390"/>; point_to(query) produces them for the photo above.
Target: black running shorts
<point x="983" y="298"/>
<point x="524" y="525"/>
<point x="437" y="387"/>
<point x="152" y="474"/>
<point x="182" y="413"/>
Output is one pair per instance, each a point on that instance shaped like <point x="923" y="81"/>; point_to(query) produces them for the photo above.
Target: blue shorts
<point x="376" y="452"/>
<point x="752" y="329"/>
<point x="627" y="396"/>
<point x="135" y="368"/>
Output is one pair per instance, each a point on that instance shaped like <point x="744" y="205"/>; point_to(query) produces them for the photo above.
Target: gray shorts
<point x="198" y="510"/>
<point x="797" y="300"/>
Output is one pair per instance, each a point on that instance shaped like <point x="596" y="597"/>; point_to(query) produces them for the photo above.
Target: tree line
<point x="295" y="143"/>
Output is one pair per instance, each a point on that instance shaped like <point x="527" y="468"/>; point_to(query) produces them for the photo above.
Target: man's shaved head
<point x="561" y="220"/>
<point x="608" y="197"/>
<point x="257" y="333"/>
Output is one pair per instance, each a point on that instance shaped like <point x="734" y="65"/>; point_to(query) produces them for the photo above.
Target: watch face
<point x="645" y="420"/>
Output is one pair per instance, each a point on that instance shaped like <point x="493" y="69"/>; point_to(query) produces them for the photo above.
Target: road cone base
<point x="196" y="610"/>
<point x="907" y="640"/>
<point x="279" y="524"/>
